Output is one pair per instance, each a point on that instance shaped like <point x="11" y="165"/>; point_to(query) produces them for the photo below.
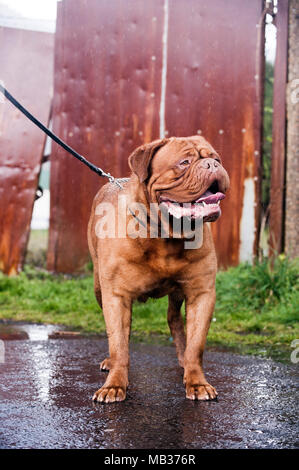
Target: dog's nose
<point x="210" y="164"/>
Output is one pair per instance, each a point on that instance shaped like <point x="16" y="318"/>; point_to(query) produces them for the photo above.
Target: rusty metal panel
<point x="107" y="82"/>
<point x="214" y="88"/>
<point x="26" y="70"/>
<point x="278" y="156"/>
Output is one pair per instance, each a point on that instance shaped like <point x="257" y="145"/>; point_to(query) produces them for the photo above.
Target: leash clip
<point x="113" y="180"/>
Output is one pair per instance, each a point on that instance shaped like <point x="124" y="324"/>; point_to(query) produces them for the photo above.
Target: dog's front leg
<point x="199" y="311"/>
<point x="117" y="313"/>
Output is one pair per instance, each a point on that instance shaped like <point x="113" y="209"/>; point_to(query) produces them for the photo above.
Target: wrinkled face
<point x="186" y="176"/>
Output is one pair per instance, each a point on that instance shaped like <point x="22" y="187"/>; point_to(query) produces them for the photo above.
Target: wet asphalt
<point x="47" y="383"/>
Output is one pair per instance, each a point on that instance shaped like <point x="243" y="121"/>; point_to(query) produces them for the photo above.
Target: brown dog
<point x="166" y="172"/>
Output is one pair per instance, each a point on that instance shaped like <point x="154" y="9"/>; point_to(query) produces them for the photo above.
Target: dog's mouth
<point x="207" y="206"/>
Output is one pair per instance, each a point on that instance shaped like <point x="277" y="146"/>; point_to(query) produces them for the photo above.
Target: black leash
<point x="56" y="139"/>
<point x="91" y="166"/>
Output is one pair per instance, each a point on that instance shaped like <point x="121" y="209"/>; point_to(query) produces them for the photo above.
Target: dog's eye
<point x="185" y="162"/>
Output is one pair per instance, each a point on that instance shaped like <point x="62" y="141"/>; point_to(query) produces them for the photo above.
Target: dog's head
<point x="182" y="170"/>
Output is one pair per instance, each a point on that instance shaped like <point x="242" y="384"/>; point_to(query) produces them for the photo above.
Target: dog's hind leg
<point x="176" y="324"/>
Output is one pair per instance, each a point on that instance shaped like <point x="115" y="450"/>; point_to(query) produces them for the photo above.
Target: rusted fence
<point x="126" y="73"/>
<point x="26" y="59"/>
<point x="129" y="72"/>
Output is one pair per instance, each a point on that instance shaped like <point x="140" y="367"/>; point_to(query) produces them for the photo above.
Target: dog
<point x="171" y="172"/>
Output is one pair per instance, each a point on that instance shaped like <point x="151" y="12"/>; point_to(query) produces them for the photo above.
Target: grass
<point x="256" y="310"/>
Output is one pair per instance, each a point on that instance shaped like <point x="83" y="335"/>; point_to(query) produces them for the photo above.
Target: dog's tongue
<point x="211" y="198"/>
<point x="206" y="206"/>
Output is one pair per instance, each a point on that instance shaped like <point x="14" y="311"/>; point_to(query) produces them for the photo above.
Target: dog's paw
<point x="201" y="392"/>
<point x="105" y="365"/>
<point x="110" y="394"/>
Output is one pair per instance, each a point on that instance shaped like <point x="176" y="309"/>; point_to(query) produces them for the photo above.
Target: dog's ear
<point x="140" y="159"/>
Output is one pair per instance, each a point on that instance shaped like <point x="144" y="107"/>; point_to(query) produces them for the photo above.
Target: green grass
<point x="256" y="310"/>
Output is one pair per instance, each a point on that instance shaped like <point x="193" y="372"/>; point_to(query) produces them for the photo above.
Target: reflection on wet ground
<point x="47" y="385"/>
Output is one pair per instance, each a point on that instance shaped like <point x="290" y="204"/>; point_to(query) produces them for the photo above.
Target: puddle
<point x="55" y="381"/>
<point x="32" y="332"/>
<point x="11" y="333"/>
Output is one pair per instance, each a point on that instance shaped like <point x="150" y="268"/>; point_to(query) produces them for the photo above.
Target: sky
<point x="36" y="9"/>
